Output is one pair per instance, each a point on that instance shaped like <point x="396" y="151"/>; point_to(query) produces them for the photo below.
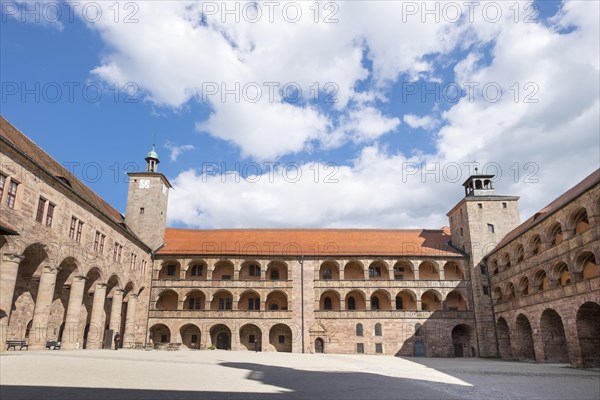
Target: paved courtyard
<point x="136" y="374"/>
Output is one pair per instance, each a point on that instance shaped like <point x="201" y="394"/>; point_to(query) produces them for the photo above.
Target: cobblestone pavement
<point x="137" y="374"/>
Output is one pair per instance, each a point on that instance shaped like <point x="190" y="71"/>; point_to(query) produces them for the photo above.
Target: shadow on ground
<point x="292" y="383"/>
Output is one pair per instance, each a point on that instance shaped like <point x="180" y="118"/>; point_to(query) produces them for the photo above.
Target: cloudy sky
<point x="310" y="114"/>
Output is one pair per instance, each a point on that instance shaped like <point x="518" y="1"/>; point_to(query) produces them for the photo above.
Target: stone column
<point x="115" y="313"/>
<point x="96" y="331"/>
<point x="70" y="338"/>
<point x="8" y="280"/>
<point x="42" y="308"/>
<point x="129" y="336"/>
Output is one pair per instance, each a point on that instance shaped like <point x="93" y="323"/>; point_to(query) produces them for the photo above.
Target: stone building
<point x="487" y="286"/>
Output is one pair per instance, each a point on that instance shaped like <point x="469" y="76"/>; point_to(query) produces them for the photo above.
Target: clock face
<point x="164" y="188"/>
<point x="144" y="183"/>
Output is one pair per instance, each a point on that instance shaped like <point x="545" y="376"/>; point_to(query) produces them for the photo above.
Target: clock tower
<point x="147" y="198"/>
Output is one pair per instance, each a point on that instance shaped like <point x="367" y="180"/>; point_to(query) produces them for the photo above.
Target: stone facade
<point x="75" y="270"/>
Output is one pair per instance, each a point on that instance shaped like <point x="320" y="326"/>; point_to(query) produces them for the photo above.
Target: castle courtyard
<point x="125" y="374"/>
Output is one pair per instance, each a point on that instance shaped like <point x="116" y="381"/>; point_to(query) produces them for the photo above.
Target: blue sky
<point x="374" y="136"/>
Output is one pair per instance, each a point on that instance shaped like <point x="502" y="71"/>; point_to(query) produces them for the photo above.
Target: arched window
<point x="418" y="330"/>
<point x="378" y="329"/>
<point x="374" y="303"/>
<point x="359" y="329"/>
<point x="536" y="245"/>
<point x="351" y="303"/>
<point x="275" y="275"/>
<point x="197" y="270"/>
<point x="581" y="221"/>
<point x="399" y="304"/>
<point x="556" y="235"/>
<point x="327" y="303"/>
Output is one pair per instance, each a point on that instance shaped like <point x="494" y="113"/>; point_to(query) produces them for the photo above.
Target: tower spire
<point x="152" y="160"/>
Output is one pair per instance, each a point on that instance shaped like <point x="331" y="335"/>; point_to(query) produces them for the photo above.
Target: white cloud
<point x="426" y="122"/>
<point x="177" y="150"/>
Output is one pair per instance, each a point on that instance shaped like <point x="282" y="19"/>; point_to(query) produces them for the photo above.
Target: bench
<point x="15" y="343"/>
<point x="53" y="345"/>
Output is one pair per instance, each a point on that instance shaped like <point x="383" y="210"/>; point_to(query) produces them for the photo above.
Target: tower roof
<point x="152" y="154"/>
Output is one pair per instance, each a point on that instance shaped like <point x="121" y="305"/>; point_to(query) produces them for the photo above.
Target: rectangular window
<point x="254" y="270"/>
<point x="143" y="267"/>
<point x="225" y="303"/>
<point x="281" y="339"/>
<point x="327" y="275"/>
<point x="374" y="272"/>
<point x="194" y="338"/>
<point x="97" y="241"/>
<point x="360" y="348"/>
<point x="490" y="228"/>
<point x="503" y="205"/>
<point x="101" y="247"/>
<point x="479" y="205"/>
<point x="50" y="214"/>
<point x="115" y="250"/>
<point x="2" y="183"/>
<point x="483" y="269"/>
<point x="462" y="233"/>
<point x="39" y="216"/>
<point x="171" y="270"/>
<point x="142" y="210"/>
<point x="79" y="230"/>
<point x="378" y="348"/>
<point x="251" y="339"/>
<point x="12" y="194"/>
<point x="254" y="304"/>
<point x="119" y="250"/>
<point x="486" y="290"/>
<point x="72" y="228"/>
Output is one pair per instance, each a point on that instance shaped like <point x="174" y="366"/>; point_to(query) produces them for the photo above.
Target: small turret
<point x="152" y="161"/>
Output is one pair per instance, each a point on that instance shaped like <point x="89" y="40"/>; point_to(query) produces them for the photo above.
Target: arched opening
<point x="330" y="300"/>
<point x="541" y="281"/>
<point x="586" y="262"/>
<point x="452" y="272"/>
<point x="319" y="346"/>
<point x="536" y="245"/>
<point x="503" y="339"/>
<point x="461" y="340"/>
<point x="378" y="330"/>
<point x="510" y="291"/>
<point x="160" y="333"/>
<point x="553" y="337"/>
<point x="418" y="348"/>
<point x="431" y="301"/>
<point x="167" y="300"/>
<point x="555" y="234"/>
<point x="251" y="337"/>
<point x="196" y="271"/>
<point x="519" y="253"/>
<point x="524" y="339"/>
<point x="378" y="270"/>
<point x="580" y="221"/>
<point x="277" y="270"/>
<point x="493" y="263"/>
<point x="506" y="261"/>
<point x="223" y="271"/>
<point x="524" y="286"/>
<point x="359" y="330"/>
<point x="169" y="270"/>
<point x="428" y="271"/>
<point x="195" y="300"/>
<point x="355" y="300"/>
<point x="455" y="301"/>
<point x="251" y="271"/>
<point x="561" y="273"/>
<point x="277" y="300"/>
<point x="220" y="336"/>
<point x="249" y="300"/>
<point x="588" y="331"/>
<point x="280" y="337"/>
<point x="498" y="295"/>
<point x="354" y="271"/>
<point x="190" y="336"/>
<point x="403" y="271"/>
<point x="329" y="271"/>
<point x="406" y="300"/>
<point x="380" y="300"/>
<point x="222" y="301"/>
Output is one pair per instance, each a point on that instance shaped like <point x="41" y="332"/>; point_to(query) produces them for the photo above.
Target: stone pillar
<point x="341" y="271"/>
<point x="8" y="280"/>
<point x="96" y="331"/>
<point x="115" y="314"/>
<point x="70" y="339"/>
<point x="130" y="326"/>
<point x="37" y="338"/>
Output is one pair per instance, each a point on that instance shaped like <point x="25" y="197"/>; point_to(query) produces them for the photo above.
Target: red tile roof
<point x="590" y="181"/>
<point x="309" y="242"/>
